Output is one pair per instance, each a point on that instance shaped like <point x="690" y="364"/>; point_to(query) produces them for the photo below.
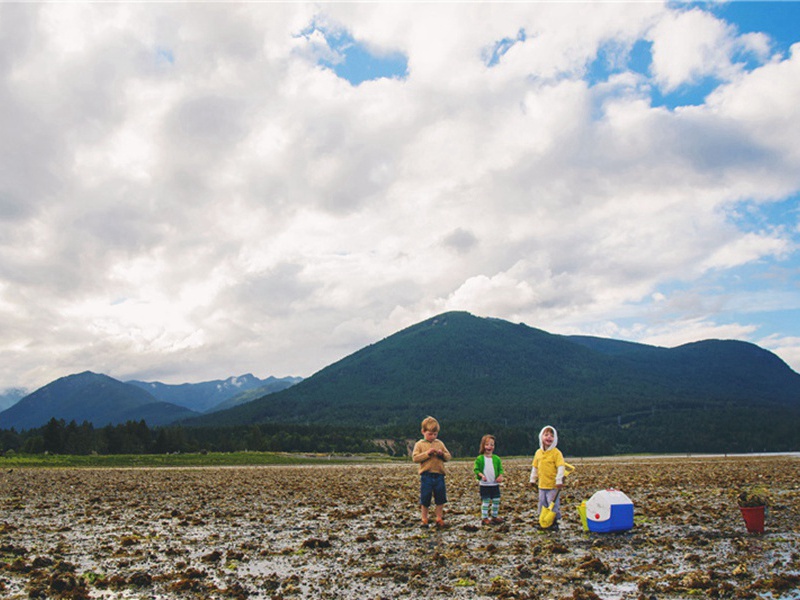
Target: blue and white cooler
<point x="609" y="510"/>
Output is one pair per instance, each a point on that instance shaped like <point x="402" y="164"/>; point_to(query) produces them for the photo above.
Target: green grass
<point x="211" y="459"/>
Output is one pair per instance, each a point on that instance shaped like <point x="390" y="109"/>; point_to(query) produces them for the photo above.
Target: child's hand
<point x="483" y="477"/>
<point x="500" y="479"/>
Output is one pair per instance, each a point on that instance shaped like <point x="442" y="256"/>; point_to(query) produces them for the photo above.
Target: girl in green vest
<point x="489" y="472"/>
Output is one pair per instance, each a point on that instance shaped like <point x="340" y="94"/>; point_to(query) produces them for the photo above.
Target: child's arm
<point x="535" y="467"/>
<point x="560" y="476"/>
<point x="560" y="470"/>
<point x="476" y="468"/>
<point x="445" y="453"/>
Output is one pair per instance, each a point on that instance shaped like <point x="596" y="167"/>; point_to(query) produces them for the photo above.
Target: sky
<point x="190" y="191"/>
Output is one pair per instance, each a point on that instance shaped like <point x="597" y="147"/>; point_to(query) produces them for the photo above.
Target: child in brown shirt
<point x="431" y="454"/>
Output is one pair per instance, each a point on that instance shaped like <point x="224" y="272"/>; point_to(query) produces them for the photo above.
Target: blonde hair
<point x="430" y="424"/>
<point x="485" y="439"/>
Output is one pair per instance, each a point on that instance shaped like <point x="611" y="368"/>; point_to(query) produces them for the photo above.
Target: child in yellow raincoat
<point x="548" y="471"/>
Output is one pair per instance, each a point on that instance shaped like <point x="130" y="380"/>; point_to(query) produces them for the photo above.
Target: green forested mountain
<point x="483" y="373"/>
<point x="90" y="397"/>
<point x="270" y="385"/>
<point x="476" y="375"/>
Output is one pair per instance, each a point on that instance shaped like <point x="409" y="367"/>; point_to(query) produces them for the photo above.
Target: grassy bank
<point x="210" y="459"/>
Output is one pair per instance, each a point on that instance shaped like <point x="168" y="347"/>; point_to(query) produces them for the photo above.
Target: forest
<point x="732" y="430"/>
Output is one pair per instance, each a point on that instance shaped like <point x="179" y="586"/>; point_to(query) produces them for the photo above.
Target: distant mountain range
<point x="490" y="372"/>
<point x="88" y="396"/>
<point x="477" y="375"/>
<point x="215" y="395"/>
<point x="102" y="400"/>
<point x="10" y="396"/>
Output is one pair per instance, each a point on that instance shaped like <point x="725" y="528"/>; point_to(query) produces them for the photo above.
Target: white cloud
<point x="186" y="193"/>
<point x="688" y="46"/>
<point x="679" y="333"/>
<point x="502" y="292"/>
<point x="745" y="249"/>
<point x="763" y="105"/>
<point x="667" y="335"/>
<point x="786" y="347"/>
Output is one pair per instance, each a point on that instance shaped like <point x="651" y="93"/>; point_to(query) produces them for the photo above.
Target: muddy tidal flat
<point x="353" y="531"/>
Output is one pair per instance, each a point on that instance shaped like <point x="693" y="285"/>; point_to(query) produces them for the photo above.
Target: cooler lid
<point x="598" y="507"/>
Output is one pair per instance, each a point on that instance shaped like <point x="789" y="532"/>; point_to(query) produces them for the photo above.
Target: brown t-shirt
<point x="432" y="464"/>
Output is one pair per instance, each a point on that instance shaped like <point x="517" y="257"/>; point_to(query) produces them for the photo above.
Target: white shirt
<point x="488" y="471"/>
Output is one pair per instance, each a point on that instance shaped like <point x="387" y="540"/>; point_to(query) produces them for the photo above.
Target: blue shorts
<point x="432" y="484"/>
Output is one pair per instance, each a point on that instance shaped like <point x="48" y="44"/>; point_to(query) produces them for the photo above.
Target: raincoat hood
<point x="555" y="438"/>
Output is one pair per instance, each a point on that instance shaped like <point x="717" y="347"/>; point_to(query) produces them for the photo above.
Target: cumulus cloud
<point x="691" y="45"/>
<point x="191" y="192"/>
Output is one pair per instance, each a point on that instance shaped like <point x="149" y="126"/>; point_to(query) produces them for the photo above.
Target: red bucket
<point x="753" y="518"/>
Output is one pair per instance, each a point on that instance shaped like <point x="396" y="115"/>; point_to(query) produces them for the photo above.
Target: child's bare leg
<point x="424" y="510"/>
<point x="440" y="512"/>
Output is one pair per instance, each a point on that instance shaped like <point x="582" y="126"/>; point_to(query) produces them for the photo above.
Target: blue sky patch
<point x="779" y="20"/>
<point x="781" y="271"/>
<point x="492" y="56"/>
<point x="685" y="95"/>
<point x="751" y="216"/>
<point x="164" y="55"/>
<point x="641" y="57"/>
<point x="357" y="63"/>
<point x="612" y="60"/>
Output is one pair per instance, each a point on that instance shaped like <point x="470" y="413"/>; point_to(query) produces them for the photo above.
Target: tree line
<point x="711" y="430"/>
<point x="135" y="437"/>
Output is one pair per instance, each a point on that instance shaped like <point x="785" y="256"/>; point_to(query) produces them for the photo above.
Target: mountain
<point x="10" y="396"/>
<point x="467" y="369"/>
<point x="208" y="395"/>
<point x="721" y="370"/>
<point x="98" y="399"/>
<point x="271" y="385"/>
<point x="479" y="375"/>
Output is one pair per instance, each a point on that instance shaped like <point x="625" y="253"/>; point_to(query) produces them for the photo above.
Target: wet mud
<point x="353" y="531"/>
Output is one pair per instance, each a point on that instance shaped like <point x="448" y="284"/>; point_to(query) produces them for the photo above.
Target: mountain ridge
<point x="101" y="400"/>
<point x="207" y="396"/>
<point x="10" y="396"/>
<point x="463" y="368"/>
<point x="87" y="396"/>
<point x="482" y="374"/>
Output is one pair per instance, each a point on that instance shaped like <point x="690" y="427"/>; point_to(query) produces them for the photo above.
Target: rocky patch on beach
<point x="353" y="531"/>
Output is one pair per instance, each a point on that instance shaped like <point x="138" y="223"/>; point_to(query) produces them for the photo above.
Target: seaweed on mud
<point x="351" y="531"/>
